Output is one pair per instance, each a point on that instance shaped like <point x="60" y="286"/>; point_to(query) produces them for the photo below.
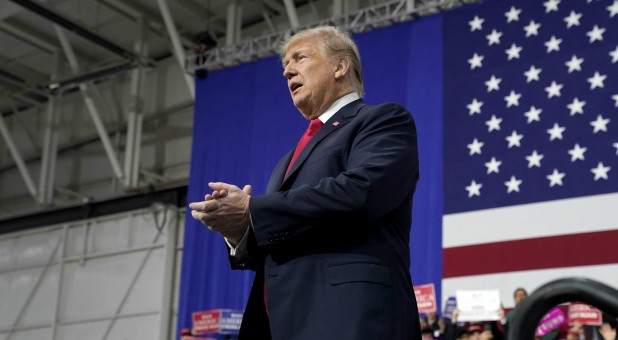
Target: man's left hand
<point x="226" y="211"/>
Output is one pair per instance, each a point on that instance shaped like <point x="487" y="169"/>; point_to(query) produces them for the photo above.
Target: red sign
<point x="425" y="298"/>
<point x="206" y="322"/>
<point x="584" y="314"/>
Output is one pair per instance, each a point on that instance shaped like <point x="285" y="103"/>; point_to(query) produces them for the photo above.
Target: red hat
<point x="475" y="328"/>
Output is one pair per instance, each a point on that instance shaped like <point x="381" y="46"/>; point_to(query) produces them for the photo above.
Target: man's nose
<point x="289" y="71"/>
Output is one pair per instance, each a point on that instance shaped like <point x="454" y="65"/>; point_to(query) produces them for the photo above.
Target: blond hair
<point x="334" y="44"/>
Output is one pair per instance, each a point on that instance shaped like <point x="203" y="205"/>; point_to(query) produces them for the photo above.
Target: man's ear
<point x="343" y="67"/>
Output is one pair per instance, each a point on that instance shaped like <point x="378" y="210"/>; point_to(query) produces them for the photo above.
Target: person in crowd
<point x="519" y="295"/>
<point x="608" y="330"/>
<point x="329" y="240"/>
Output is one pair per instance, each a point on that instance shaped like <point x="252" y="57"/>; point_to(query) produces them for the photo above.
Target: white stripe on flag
<point x="553" y="218"/>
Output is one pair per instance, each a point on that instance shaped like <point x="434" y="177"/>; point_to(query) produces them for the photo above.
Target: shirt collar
<point x="337" y="105"/>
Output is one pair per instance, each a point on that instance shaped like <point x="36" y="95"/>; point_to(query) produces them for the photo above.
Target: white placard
<point x="478" y="305"/>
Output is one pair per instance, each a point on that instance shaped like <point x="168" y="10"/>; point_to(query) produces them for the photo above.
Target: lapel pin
<point x="335" y="123"/>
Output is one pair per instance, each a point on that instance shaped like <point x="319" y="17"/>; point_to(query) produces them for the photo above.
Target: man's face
<point x="520" y="296"/>
<point x="311" y="77"/>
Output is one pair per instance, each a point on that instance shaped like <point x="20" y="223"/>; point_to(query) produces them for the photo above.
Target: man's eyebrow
<point x="286" y="60"/>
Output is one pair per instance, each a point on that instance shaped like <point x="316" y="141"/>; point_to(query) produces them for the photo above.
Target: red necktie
<point x="313" y="128"/>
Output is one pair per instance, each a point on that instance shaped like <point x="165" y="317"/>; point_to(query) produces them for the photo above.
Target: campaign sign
<point x="555" y="318"/>
<point x="206" y="321"/>
<point x="478" y="305"/>
<point x="222" y="321"/>
<point x="230" y="321"/>
<point x="449" y="307"/>
<point x="425" y="298"/>
<point x="584" y="314"/>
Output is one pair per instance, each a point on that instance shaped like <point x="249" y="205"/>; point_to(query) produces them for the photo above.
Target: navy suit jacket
<point x="331" y="240"/>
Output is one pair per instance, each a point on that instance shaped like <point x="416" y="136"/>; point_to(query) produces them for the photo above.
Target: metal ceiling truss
<point x="380" y="15"/>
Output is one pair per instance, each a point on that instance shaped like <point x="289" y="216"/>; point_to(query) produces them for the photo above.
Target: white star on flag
<point x="493" y="83"/>
<point x="553" y="44"/>
<point x="555" y="178"/>
<point x="575" y="64"/>
<point x="512" y="99"/>
<point x="514" y="139"/>
<point x="600" y="171"/>
<point x="573" y="19"/>
<point x="553" y="90"/>
<point x="493" y="165"/>
<point x="576" y="106"/>
<point x="615" y="98"/>
<point x="596" y="34"/>
<point x="475" y="147"/>
<point x="474" y="107"/>
<point x="616" y="146"/>
<point x="600" y="124"/>
<point x="476" y="24"/>
<point x="532" y="28"/>
<point x="512" y="14"/>
<point x="577" y="153"/>
<point x="493" y="123"/>
<point x="551" y="5"/>
<point x="613" y="9"/>
<point x="532" y="74"/>
<point x="556" y="132"/>
<point x="513" y="184"/>
<point x="596" y="80"/>
<point x="474" y="189"/>
<point x="493" y="38"/>
<point x="533" y="114"/>
<point x="534" y="159"/>
<point x="614" y="55"/>
<point x="513" y="52"/>
<point x="476" y="61"/>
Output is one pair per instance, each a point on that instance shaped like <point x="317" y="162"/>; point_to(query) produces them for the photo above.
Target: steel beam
<point x="58" y="298"/>
<point x="268" y="21"/>
<point x="135" y="116"/>
<point x="92" y="109"/>
<point x="337" y="8"/>
<point x="8" y="9"/>
<point x="179" y="52"/>
<point x="410" y="6"/>
<point x="50" y="145"/>
<point x="230" y="33"/>
<point x="84" y="33"/>
<point x="169" y="275"/>
<point x="19" y="161"/>
<point x="30" y="39"/>
<point x="290" y="9"/>
<point x="239" y="22"/>
<point x="365" y="19"/>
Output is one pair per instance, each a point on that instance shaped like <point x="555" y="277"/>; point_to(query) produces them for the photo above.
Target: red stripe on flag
<point x="538" y="253"/>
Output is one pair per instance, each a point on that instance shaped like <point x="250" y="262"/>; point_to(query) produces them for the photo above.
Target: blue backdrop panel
<point x="245" y="122"/>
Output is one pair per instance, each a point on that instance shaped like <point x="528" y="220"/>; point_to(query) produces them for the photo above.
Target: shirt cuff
<point x="241" y="248"/>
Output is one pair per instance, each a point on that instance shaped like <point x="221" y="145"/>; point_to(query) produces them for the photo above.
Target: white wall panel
<point x="29" y="334"/>
<point x="112" y="278"/>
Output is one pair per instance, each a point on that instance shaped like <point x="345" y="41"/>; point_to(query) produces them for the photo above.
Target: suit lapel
<point x="339" y="119"/>
<point x="278" y="173"/>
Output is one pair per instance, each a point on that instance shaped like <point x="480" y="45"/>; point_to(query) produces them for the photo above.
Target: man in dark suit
<point x="329" y="240"/>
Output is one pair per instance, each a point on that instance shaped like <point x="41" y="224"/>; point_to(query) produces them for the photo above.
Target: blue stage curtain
<point x="245" y="121"/>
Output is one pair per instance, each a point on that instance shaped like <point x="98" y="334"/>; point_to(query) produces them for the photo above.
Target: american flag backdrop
<point x="531" y="144"/>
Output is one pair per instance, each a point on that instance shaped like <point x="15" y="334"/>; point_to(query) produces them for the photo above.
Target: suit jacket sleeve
<point x="380" y="172"/>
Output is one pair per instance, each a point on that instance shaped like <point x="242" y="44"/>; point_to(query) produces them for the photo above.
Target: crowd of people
<point x="435" y="327"/>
